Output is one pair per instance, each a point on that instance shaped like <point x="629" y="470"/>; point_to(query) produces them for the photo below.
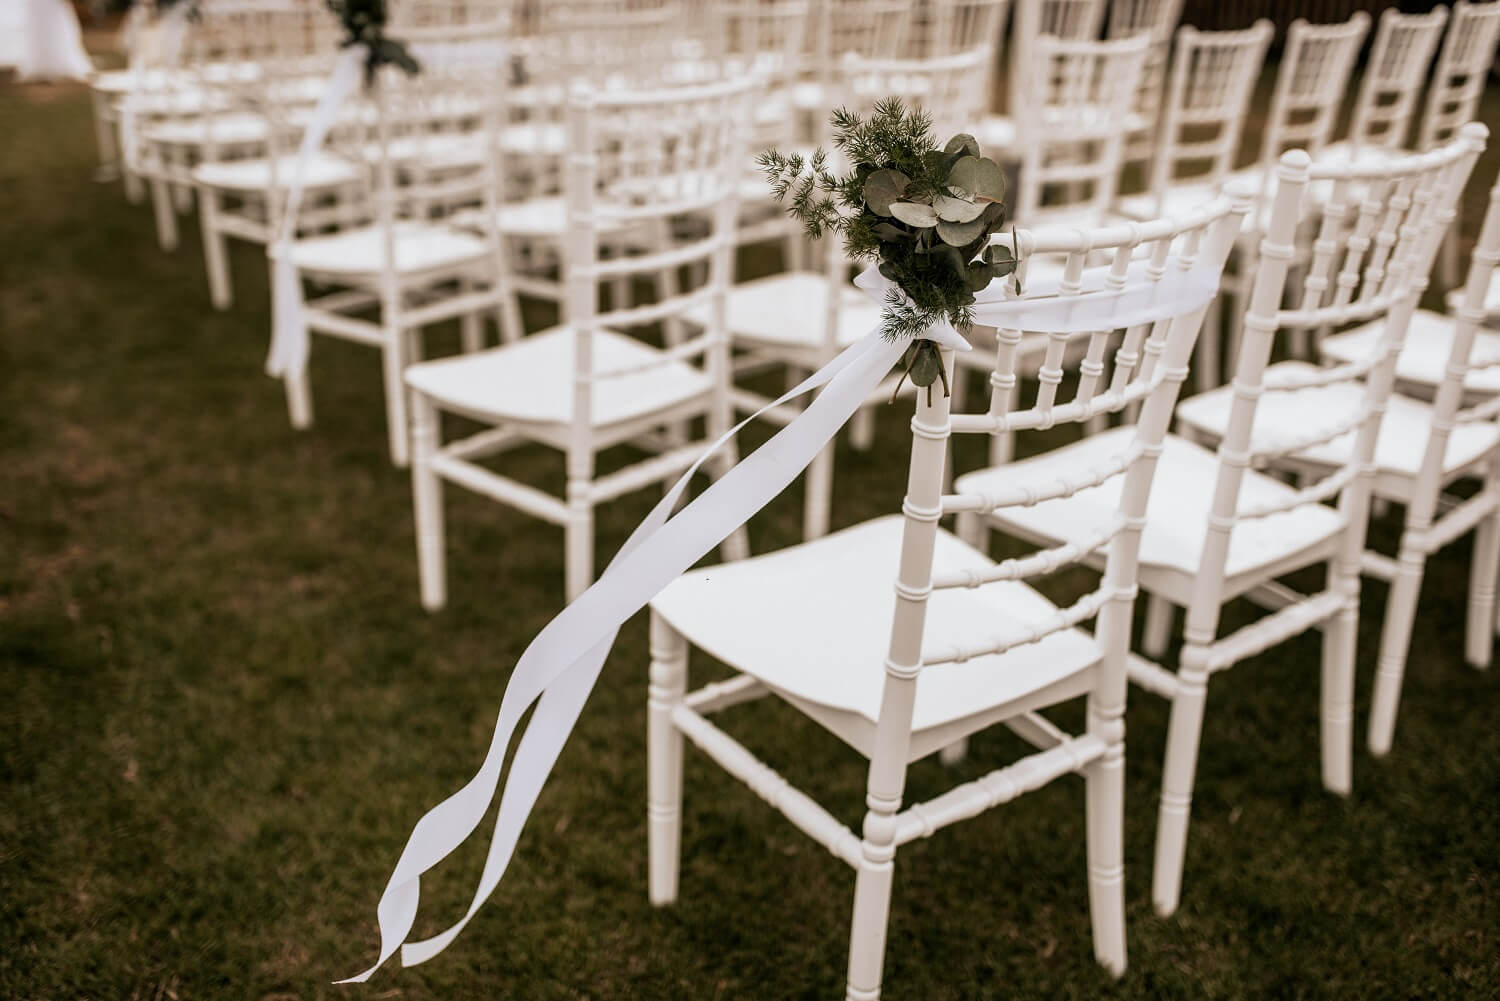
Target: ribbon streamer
<point x="562" y="663"/>
<point x="289" y="345"/>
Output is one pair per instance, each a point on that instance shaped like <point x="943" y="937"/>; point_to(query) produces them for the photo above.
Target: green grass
<point x="222" y="710"/>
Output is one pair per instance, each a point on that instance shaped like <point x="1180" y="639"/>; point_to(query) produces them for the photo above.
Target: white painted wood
<point x="970" y="643"/>
<point x="637" y="159"/>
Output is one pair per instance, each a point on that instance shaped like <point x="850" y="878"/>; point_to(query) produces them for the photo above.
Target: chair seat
<point x="787" y="311"/>
<point x="1176" y="516"/>
<point x="1284" y="416"/>
<point x="531" y="380"/>
<point x="222" y="129"/>
<point x="419" y="247"/>
<point x="813" y="622"/>
<point x="323" y="171"/>
<point x="1424" y="356"/>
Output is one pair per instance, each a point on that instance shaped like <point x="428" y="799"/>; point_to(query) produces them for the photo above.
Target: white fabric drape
<point x="42" y="40"/>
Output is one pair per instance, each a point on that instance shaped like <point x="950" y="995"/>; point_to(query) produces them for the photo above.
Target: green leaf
<point x="957" y="234"/>
<point x="979" y="177"/>
<point x="882" y="188"/>
<point x="926" y="364"/>
<point x="978" y="276"/>
<point x="888" y="233"/>
<point x="914" y="214"/>
<point x="962" y="143"/>
<point x="953" y="209"/>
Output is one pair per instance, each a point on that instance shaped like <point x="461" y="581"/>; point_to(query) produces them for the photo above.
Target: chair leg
<point x="1104" y="792"/>
<point x="298" y="399"/>
<point x="872" y="908"/>
<point x="215" y="250"/>
<point x="135" y="188"/>
<point x="166" y="217"/>
<point x="1340" y="635"/>
<point x="427" y="505"/>
<point x="664" y="760"/>
<point x="862" y="429"/>
<point x="1184" y="731"/>
<point x="578" y="540"/>
<point x="470" y="325"/>
<point x="818" y="502"/>
<point x="1480" y="637"/>
<point x="392" y="357"/>
<point x="1160" y="617"/>
<point x="1395" y="641"/>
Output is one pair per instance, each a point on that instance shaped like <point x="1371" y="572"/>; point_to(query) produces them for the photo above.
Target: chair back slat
<point x="1393" y="77"/>
<point x="1074" y="20"/>
<point x="1213" y="78"/>
<point x="1463" y="67"/>
<point x="1310" y="85"/>
<point x="1070" y="128"/>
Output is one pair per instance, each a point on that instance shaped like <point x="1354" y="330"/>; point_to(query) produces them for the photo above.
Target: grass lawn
<point x="222" y="710"/>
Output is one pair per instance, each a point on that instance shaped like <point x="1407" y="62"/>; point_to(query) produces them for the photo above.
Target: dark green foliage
<point x="923" y="214"/>
<point x="364" y="24"/>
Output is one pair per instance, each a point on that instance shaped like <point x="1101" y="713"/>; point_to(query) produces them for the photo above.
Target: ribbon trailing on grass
<point x="558" y="669"/>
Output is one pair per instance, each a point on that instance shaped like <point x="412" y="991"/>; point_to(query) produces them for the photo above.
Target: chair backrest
<point x="1158" y="19"/>
<point x="610" y="43"/>
<point x="1310" y="87"/>
<point x="1447" y="403"/>
<point x="1463" y="66"/>
<point x="870" y="29"/>
<point x="764" y="36"/>
<point x="1073" y="20"/>
<point x="1378" y="234"/>
<point x="1071" y="129"/>
<point x="1213" y="78"/>
<point x="1150" y="363"/>
<point x="1393" y="77"/>
<point x="643" y="159"/>
<point x="943" y="27"/>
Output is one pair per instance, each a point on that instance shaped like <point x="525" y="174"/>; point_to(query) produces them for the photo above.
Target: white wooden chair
<point x="1203" y="117"/>
<point x="1071" y="20"/>
<point x="970" y="645"/>
<point x="799" y="319"/>
<point x="1425" y="447"/>
<point x="1453" y="96"/>
<point x="433" y="156"/>
<point x="243" y="198"/>
<point x="1391" y="83"/>
<point x="1158" y="20"/>
<point x="866" y="29"/>
<point x="587" y="385"/>
<point x="1217" y="528"/>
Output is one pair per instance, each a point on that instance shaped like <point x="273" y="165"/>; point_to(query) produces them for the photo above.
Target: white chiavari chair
<point x="587" y="385"/>
<point x="1458" y="81"/>
<point x="433" y="156"/>
<point x="1217" y="527"/>
<point x="799" y="319"/>
<point x="866" y="29"/>
<point x="1424" y="448"/>
<point x="1071" y="20"/>
<point x="242" y="198"/>
<point x="1158" y="20"/>
<point x="1391" y="83"/>
<point x="971" y="644"/>
<point x="943" y="27"/>
<point x="1203" y="117"/>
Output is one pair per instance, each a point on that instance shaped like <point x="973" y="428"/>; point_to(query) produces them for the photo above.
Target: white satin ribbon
<point x="289" y="346"/>
<point x="562" y="663"/>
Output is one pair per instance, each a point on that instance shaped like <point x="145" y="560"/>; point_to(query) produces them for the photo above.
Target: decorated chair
<point x="970" y="645"/>
<point x="1424" y="448"/>
<point x="433" y="156"/>
<point x="799" y="319"/>
<point x="637" y="159"/>
<point x="1217" y="527"/>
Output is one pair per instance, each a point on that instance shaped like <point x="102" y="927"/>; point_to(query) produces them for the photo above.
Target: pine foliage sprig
<point x="924" y="215"/>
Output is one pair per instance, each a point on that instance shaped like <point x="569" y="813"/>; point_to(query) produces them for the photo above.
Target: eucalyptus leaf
<point x="979" y="275"/>
<point x="979" y="177"/>
<point x="926" y="364"/>
<point x="953" y="209"/>
<point x="957" y="234"/>
<point x="914" y="214"/>
<point x="887" y="233"/>
<point x="882" y="188"/>
<point x="962" y="143"/>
